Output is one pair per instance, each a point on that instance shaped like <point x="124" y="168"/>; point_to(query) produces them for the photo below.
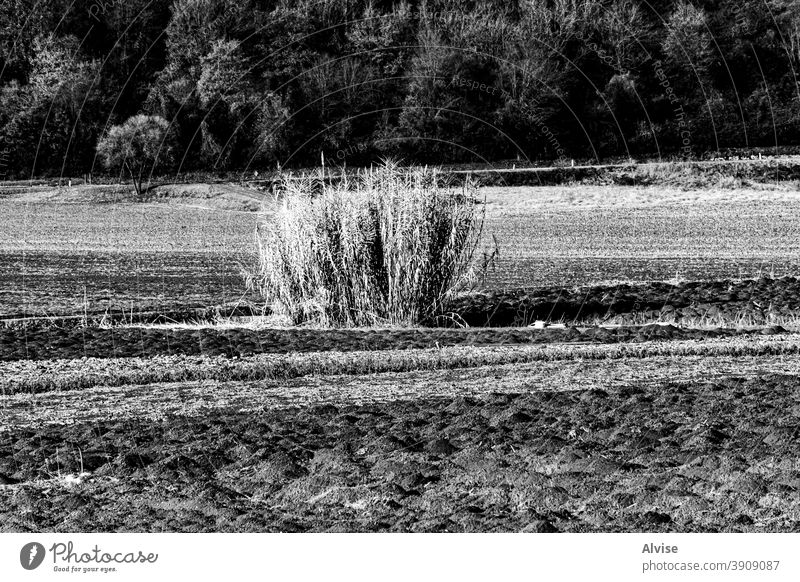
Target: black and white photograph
<point x="399" y="267"/>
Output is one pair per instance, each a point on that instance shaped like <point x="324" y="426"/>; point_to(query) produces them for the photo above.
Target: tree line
<point x="234" y="85"/>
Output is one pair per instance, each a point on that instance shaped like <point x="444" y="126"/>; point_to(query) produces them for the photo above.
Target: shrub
<point x="389" y="247"/>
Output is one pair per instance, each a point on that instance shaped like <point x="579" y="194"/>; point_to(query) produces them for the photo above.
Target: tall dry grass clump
<point x="388" y="247"/>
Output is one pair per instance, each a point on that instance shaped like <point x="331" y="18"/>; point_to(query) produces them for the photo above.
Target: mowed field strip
<point x="368" y="377"/>
<point x="40" y="376"/>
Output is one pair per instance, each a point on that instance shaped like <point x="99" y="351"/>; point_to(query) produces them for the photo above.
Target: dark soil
<point x="747" y="302"/>
<point x="707" y="457"/>
<point x="31" y="343"/>
<point x="753" y="301"/>
<point x="750" y="302"/>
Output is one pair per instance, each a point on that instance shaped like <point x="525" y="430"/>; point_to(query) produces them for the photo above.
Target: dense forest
<point x="253" y="84"/>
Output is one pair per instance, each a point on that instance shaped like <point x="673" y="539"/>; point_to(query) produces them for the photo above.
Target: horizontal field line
<point x="32" y="377"/>
<point x="163" y="401"/>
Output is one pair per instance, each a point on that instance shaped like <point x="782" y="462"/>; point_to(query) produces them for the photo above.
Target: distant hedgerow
<point x="388" y="247"/>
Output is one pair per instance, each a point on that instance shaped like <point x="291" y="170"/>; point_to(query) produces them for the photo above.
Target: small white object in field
<point x="573" y="163"/>
<point x="76" y="479"/>
<point x="538" y="324"/>
<point x="69" y="183"/>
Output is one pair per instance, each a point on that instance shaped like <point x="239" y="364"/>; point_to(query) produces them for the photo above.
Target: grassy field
<point x="604" y="424"/>
<point x="586" y="235"/>
<point x="61" y="253"/>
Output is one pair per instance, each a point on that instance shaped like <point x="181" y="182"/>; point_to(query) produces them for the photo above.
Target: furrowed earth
<point x="698" y="456"/>
<point x="141" y="388"/>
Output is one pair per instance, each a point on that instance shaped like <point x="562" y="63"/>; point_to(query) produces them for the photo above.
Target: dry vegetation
<point x="389" y="247"/>
<point x="32" y="377"/>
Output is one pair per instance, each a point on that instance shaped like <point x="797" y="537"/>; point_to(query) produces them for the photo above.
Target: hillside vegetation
<point x="248" y="85"/>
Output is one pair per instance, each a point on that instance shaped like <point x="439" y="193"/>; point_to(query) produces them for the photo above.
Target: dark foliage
<point x="248" y="85"/>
